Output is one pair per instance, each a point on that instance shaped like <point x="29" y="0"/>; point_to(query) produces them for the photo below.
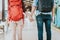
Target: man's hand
<point x="53" y="18"/>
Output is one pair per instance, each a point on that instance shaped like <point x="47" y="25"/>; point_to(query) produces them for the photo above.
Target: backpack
<point x="45" y="5"/>
<point x="15" y="9"/>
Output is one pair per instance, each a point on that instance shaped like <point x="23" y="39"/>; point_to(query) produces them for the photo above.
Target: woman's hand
<point x="31" y="18"/>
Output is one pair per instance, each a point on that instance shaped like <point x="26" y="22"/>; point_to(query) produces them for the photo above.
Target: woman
<point x="16" y="18"/>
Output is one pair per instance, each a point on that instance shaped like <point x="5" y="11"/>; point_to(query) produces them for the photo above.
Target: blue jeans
<point x="47" y="20"/>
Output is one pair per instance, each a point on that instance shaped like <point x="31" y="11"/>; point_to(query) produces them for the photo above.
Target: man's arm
<point x="54" y="7"/>
<point x="53" y="13"/>
<point x="34" y="6"/>
<point x="33" y="10"/>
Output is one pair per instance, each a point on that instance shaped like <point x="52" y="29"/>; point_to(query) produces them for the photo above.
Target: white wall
<point x="6" y="4"/>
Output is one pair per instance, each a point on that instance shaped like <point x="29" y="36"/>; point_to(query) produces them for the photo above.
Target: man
<point x="42" y="17"/>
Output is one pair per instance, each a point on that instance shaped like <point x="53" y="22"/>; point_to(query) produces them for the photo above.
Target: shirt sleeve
<point x="34" y="3"/>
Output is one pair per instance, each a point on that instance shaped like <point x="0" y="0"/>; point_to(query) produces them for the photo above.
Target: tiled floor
<point x="30" y="33"/>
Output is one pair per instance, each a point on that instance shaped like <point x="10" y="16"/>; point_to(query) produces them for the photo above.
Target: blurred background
<point x="30" y="30"/>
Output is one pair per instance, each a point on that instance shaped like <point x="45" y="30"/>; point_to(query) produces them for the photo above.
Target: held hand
<point x="31" y="18"/>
